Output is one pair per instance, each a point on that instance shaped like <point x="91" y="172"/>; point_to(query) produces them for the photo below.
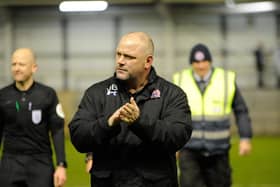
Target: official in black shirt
<point x="29" y="113"/>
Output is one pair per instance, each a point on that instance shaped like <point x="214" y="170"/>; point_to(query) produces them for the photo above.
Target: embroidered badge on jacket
<point x="155" y="94"/>
<point x="112" y="90"/>
<point x="36" y="116"/>
<point x="59" y="111"/>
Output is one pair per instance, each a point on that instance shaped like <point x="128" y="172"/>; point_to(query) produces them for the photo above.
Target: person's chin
<point x="202" y="73"/>
<point x="122" y="76"/>
<point x="18" y="79"/>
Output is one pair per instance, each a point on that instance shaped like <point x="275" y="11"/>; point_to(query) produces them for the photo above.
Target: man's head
<point x="134" y="57"/>
<point x="23" y="65"/>
<point x="200" y="59"/>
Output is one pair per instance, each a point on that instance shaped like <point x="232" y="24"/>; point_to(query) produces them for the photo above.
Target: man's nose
<point x="16" y="67"/>
<point x="120" y="60"/>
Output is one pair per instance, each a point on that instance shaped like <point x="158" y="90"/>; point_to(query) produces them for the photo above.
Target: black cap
<point x="200" y="52"/>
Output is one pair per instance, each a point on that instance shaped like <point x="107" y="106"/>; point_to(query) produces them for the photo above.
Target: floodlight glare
<point x="258" y="7"/>
<point x="255" y="7"/>
<point x="82" y="6"/>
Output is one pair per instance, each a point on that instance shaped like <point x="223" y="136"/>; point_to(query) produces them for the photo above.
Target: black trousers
<point x="26" y="171"/>
<point x="128" y="178"/>
<point x="197" y="170"/>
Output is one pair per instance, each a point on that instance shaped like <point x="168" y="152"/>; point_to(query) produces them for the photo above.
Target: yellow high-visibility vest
<point x="216" y="102"/>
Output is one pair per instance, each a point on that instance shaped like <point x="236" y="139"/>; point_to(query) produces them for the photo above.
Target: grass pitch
<point x="260" y="169"/>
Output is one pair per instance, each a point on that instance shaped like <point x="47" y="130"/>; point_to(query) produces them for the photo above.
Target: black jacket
<point x="147" y="146"/>
<point x="27" y="117"/>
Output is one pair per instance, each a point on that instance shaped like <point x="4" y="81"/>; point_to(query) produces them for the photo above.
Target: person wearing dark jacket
<point x="260" y="64"/>
<point x="213" y="94"/>
<point x="28" y="112"/>
<point x="133" y="122"/>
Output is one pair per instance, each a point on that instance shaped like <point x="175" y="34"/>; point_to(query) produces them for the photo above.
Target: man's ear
<point x="34" y="67"/>
<point x="149" y="61"/>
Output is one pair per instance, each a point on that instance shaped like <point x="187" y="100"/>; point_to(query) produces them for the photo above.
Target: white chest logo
<point x="112" y="90"/>
<point x="36" y="116"/>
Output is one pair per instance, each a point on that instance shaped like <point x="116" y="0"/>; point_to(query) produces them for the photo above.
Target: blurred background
<point x="76" y="49"/>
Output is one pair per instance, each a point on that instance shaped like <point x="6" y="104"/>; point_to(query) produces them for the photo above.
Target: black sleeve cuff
<point x="63" y="164"/>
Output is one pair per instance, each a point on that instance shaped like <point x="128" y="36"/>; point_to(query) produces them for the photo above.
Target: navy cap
<point x="200" y="52"/>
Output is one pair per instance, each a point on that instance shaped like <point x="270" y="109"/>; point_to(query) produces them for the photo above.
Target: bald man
<point x="133" y="122"/>
<point x="28" y="112"/>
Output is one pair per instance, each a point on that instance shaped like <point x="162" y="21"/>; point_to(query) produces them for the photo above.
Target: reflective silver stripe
<point x="196" y="134"/>
<point x="211" y="135"/>
<point x="210" y="118"/>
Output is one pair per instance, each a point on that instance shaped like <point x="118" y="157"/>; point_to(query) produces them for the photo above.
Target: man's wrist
<point x="88" y="157"/>
<point x="62" y="164"/>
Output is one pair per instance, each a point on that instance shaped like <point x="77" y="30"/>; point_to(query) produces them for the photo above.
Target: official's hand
<point x="129" y="112"/>
<point x="245" y="147"/>
<point x="59" y="176"/>
<point x="89" y="165"/>
<point x="177" y="155"/>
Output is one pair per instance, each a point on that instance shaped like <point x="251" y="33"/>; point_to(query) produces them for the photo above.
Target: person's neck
<point x="133" y="88"/>
<point x="25" y="85"/>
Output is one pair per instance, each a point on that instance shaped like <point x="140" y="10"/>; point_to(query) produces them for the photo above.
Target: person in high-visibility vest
<point x="212" y="95"/>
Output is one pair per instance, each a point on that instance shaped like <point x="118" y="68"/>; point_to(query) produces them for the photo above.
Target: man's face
<point x="22" y="66"/>
<point x="201" y="68"/>
<point x="130" y="59"/>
